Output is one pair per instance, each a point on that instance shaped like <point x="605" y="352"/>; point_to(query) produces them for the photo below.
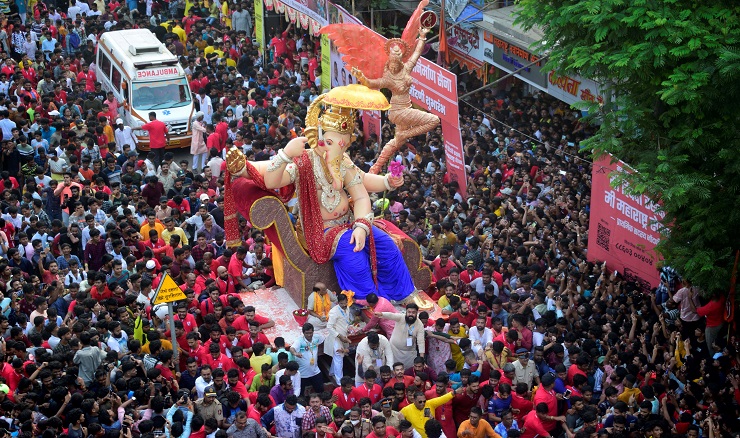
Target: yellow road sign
<point x="168" y="291"/>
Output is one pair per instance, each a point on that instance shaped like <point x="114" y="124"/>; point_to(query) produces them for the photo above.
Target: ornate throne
<point x="300" y="271"/>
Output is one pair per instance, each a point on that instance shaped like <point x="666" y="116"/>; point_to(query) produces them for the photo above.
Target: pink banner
<point x="623" y="228"/>
<point x="435" y="89"/>
<point x="371" y="124"/>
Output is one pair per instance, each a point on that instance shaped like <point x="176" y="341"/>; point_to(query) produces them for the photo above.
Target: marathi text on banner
<point x="624" y="228"/>
<point x="313" y="9"/>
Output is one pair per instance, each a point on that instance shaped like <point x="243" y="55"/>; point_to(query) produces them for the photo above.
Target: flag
<point x="443" y="54"/>
<point x="730" y="302"/>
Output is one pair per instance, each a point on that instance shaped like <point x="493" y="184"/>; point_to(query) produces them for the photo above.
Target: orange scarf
<point x="322" y="305"/>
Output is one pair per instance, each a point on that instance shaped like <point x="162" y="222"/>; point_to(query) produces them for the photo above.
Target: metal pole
<point x="175" y="356"/>
<point x="502" y="78"/>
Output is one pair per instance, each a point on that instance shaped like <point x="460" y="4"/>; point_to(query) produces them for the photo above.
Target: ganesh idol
<point x="335" y="213"/>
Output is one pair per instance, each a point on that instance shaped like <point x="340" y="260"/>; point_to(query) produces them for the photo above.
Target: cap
<point x="54" y="113"/>
<point x="140" y="163"/>
<point x="151" y="265"/>
<point x="601" y="359"/>
<point x="471" y="263"/>
<point x="119" y="121"/>
<point x="204" y="197"/>
<point x="717" y="356"/>
<point x="547" y="379"/>
<point x="509" y="368"/>
<point x="133" y="154"/>
<point x="4" y="388"/>
<point x="210" y="392"/>
<point x="163" y="199"/>
<point x="522" y="351"/>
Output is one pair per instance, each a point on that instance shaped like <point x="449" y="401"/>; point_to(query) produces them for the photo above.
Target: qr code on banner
<point x="602" y="237"/>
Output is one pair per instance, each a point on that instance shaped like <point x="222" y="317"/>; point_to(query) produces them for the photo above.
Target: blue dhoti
<point x="354" y="271"/>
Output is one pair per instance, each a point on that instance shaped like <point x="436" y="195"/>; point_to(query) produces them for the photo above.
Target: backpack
<point x="74" y="40"/>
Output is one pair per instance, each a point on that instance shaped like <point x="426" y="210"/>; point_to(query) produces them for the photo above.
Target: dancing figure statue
<point x="388" y="68"/>
<point x="335" y="215"/>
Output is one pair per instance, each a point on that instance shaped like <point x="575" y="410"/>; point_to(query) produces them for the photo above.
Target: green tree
<point x="671" y="69"/>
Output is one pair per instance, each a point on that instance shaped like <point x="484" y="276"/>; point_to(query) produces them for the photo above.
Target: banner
<point x="259" y="25"/>
<point x="624" y="228"/>
<point x="339" y="74"/>
<point x="371" y="125"/>
<point x="467" y="42"/>
<point x="325" y="64"/>
<point x="313" y="9"/>
<point x="510" y="57"/>
<point x="572" y="89"/>
<point x="435" y="89"/>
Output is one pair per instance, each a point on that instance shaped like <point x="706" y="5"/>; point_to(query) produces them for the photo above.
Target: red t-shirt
<point x="545" y="396"/>
<point x="390" y="431"/>
<point x="246" y="340"/>
<point x="714" y="311"/>
<point x="533" y="426"/>
<point x="221" y="361"/>
<point x="521" y="403"/>
<point x="189" y="324"/>
<point x="438" y="271"/>
<point x="572" y="371"/>
<point x="345" y="401"/>
<point x="235" y="268"/>
<point x="407" y="381"/>
<point x="157" y="134"/>
<point x="374" y="394"/>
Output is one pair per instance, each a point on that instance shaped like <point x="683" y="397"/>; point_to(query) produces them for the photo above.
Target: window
<point x="172" y="93"/>
<point x="115" y="79"/>
<point x="105" y="64"/>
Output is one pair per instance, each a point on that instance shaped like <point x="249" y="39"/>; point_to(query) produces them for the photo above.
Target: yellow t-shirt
<point x="484" y="430"/>
<point x="457" y="355"/>
<point x="180" y="32"/>
<point x="225" y="14"/>
<point x="257" y="361"/>
<point x="166" y="345"/>
<point x="416" y="417"/>
<point x="629" y="392"/>
<point x="166" y="234"/>
<point x="146" y="228"/>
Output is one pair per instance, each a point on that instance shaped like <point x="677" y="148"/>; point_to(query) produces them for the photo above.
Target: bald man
<point x="319" y="304"/>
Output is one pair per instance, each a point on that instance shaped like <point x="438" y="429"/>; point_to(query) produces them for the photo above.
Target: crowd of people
<point x="530" y="339"/>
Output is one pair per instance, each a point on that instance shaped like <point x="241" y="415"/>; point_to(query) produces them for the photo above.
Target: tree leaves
<point x="673" y="68"/>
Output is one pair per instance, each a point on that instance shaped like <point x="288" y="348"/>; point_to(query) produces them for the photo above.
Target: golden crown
<point x="338" y="119"/>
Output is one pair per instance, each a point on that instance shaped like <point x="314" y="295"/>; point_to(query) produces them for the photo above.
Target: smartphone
<point x="427" y="412"/>
<point x="567" y="393"/>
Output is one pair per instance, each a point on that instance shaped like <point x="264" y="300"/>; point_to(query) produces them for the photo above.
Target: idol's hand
<point x="395" y="181"/>
<point x="295" y="147"/>
<point x="358" y="238"/>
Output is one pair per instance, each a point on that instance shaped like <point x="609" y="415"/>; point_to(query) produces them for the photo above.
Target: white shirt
<point x="7" y="126"/>
<point x="125" y="136"/>
<point x="201" y="385"/>
<point x="295" y="378"/>
<point x="84" y="7"/>
<point x="206" y="107"/>
<point x="119" y="345"/>
<point x="479" y="339"/>
<point x="86" y="234"/>
<point x="73" y="11"/>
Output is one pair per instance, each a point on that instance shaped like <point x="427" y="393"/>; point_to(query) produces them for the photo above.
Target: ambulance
<point x="144" y="76"/>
